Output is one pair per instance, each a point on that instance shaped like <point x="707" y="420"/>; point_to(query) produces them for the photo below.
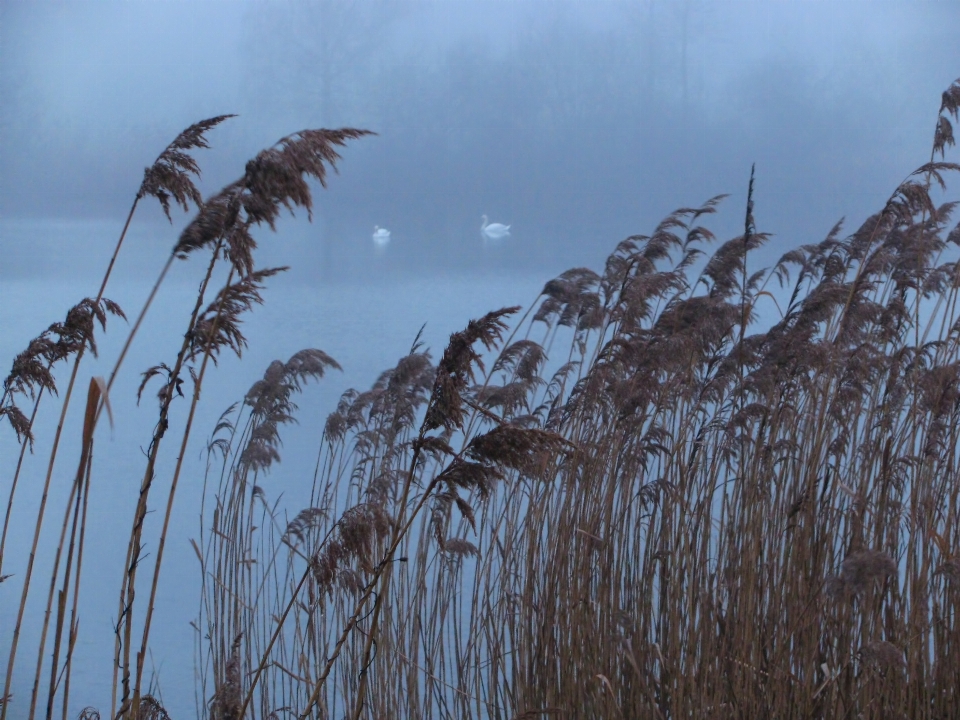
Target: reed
<point x="727" y="521"/>
<point x="635" y="501"/>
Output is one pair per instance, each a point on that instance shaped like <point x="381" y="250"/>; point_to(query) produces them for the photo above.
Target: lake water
<point x="366" y="321"/>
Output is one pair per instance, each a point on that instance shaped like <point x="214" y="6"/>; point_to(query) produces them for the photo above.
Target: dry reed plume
<point x="638" y="502"/>
<point x="674" y="515"/>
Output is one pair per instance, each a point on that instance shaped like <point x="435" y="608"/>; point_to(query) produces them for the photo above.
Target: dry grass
<point x="636" y="504"/>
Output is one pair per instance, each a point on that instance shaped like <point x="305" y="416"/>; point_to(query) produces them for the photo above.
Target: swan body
<point x="381" y="236"/>
<point x="494" y="231"/>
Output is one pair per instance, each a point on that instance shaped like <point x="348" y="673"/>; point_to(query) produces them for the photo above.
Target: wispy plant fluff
<point x="169" y="177"/>
<point x="648" y="507"/>
<point x="277" y="178"/>
<point x="636" y="502"/>
<point x="271" y="405"/>
<point x="32" y="369"/>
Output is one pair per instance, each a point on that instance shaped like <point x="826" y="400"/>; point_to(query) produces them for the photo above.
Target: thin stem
<point x="368" y="591"/>
<point x="36" y="540"/>
<point x="110" y="380"/>
<point x="74" y="622"/>
<point x="16" y="478"/>
<point x="173" y="489"/>
<point x="385" y="579"/>
<point x="128" y="585"/>
<point x="46" y="486"/>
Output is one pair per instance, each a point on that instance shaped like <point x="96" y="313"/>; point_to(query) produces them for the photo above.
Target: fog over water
<point x="578" y="124"/>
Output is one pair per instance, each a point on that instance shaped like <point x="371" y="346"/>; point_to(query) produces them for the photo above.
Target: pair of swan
<point x="489" y="230"/>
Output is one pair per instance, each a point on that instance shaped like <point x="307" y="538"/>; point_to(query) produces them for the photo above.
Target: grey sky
<point x="579" y="123"/>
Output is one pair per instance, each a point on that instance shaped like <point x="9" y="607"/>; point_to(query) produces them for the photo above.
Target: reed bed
<point x="635" y="500"/>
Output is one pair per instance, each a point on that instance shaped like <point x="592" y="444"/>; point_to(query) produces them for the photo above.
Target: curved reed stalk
<point x="275" y="179"/>
<point x="750" y="521"/>
<point x="684" y="514"/>
<point x="168" y="176"/>
<point x="79" y="331"/>
<point x="128" y="585"/>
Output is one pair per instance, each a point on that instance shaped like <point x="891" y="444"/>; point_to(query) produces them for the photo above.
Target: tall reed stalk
<point x="168" y="177"/>
<point x="640" y="501"/>
<point x="721" y="518"/>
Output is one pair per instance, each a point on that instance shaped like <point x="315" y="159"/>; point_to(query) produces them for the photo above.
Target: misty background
<point x="577" y="123"/>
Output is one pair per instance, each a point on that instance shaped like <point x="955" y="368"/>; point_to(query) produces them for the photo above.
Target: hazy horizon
<point x="577" y="124"/>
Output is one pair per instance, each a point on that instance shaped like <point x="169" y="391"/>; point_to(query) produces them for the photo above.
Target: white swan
<point x="494" y="231"/>
<point x="381" y="236"/>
